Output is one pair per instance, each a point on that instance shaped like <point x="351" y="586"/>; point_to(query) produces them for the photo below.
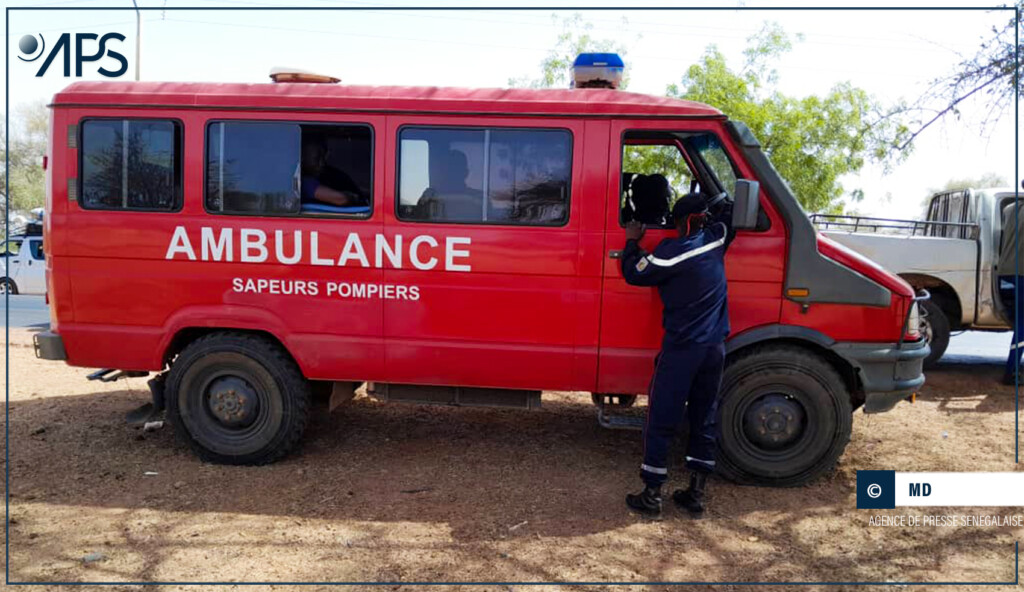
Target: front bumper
<point x="49" y="346"/>
<point x="889" y="373"/>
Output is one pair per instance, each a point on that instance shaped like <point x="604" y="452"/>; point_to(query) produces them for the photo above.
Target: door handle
<point x="615" y="254"/>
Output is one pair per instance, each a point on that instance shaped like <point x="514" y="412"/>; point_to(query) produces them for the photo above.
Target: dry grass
<point x="404" y="493"/>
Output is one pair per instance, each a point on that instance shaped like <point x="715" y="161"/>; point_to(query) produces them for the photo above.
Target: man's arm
<point x="637" y="268"/>
<point x="314" y="190"/>
<point x="333" y="196"/>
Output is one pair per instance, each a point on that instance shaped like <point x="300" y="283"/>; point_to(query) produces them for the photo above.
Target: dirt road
<point x="406" y="493"/>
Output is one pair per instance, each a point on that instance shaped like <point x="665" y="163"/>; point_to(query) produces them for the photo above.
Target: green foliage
<point x="576" y="38"/>
<point x="25" y="178"/>
<point x="664" y="160"/>
<point x="813" y="141"/>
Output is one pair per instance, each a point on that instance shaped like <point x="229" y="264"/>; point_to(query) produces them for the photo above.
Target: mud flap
<point x="149" y="411"/>
<point x="341" y="392"/>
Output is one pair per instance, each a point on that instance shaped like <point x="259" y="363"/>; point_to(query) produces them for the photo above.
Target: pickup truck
<point x="952" y="254"/>
<point x="22" y="265"/>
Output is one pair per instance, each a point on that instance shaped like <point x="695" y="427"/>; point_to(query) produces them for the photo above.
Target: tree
<point x="982" y="182"/>
<point x="813" y="141"/>
<point x="576" y="38"/>
<point x="25" y="179"/>
<point x="995" y="72"/>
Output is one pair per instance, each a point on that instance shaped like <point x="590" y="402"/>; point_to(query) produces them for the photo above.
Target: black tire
<point x="7" y="286"/>
<point x="935" y="326"/>
<point x="785" y="417"/>
<point x="237" y="399"/>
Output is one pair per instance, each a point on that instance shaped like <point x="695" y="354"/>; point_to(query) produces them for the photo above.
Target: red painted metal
<point x="542" y="307"/>
<point x="385" y="99"/>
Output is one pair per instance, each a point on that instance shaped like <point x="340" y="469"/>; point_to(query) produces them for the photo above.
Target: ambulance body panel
<point x="374" y="294"/>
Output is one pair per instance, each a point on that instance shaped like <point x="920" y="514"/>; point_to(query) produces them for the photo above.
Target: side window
<point x="484" y="176"/>
<point x="654" y="175"/>
<point x="131" y="164"/>
<point x="11" y="248"/>
<point x="659" y="167"/>
<point x="36" y="247"/>
<point x="288" y="169"/>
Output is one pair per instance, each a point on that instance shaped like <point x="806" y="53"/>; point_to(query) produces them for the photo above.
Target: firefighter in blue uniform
<point x="689" y="272"/>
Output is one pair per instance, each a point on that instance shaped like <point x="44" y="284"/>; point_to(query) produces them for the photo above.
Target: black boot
<point x="647" y="502"/>
<point x="692" y="499"/>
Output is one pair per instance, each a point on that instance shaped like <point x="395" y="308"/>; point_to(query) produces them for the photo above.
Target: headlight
<point x="914" y="322"/>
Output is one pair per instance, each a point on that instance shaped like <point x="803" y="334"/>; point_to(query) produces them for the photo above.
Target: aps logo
<point x="84" y="47"/>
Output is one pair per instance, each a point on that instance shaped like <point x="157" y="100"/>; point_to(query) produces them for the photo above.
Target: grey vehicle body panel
<point x="953" y="260"/>
<point x="966" y="264"/>
<point x="806" y="268"/>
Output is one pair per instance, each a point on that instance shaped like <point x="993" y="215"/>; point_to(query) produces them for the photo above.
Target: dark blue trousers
<point x="1011" y="291"/>
<point x="686" y="380"/>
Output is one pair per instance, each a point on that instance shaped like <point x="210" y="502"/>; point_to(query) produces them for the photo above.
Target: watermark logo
<point x="876" y="489"/>
<point x="79" y="48"/>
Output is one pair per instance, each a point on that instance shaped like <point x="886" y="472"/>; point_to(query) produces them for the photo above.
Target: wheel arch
<point x="805" y="338"/>
<point x="187" y="335"/>
<point x="942" y="293"/>
<point x="191" y="323"/>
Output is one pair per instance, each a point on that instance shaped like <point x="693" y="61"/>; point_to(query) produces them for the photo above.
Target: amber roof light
<point x="296" y="75"/>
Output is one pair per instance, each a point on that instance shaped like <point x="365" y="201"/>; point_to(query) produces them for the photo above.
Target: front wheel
<point x="7" y="286"/>
<point x="785" y="417"/>
<point x="935" y="328"/>
<point x="236" y="398"/>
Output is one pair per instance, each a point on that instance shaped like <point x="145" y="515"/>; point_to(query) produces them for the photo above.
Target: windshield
<point x="10" y="247"/>
<point x="709" y="147"/>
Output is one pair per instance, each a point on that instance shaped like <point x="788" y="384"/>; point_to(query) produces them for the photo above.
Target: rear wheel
<point x="785" y="417"/>
<point x="935" y="328"/>
<point x="7" y="286"/>
<point x="236" y="398"/>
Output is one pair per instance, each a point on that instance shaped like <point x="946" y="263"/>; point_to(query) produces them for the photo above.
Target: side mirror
<point x="745" y="204"/>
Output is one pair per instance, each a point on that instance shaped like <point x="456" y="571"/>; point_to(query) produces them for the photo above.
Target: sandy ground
<point x="403" y="493"/>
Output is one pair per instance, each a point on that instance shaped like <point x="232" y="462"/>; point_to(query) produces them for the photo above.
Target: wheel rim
<point x="3" y="288"/>
<point x="774" y="423"/>
<point x="232" y="402"/>
<point x="924" y="326"/>
<point x="230" y="409"/>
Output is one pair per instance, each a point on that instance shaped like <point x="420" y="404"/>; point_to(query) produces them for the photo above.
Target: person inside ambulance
<point x="322" y="184"/>
<point x="449" y="198"/>
<point x="689" y="272"/>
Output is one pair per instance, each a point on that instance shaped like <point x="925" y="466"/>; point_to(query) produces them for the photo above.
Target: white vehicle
<point x="952" y="254"/>
<point x="23" y="269"/>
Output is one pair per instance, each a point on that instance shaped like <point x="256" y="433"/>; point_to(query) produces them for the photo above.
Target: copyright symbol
<point x="874" y="490"/>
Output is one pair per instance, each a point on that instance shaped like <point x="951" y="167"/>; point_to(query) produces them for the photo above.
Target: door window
<point x="660" y="167"/>
<point x="654" y="175"/>
<point x="36" y="248"/>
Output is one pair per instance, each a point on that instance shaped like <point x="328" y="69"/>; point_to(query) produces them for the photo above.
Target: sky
<point x="893" y="55"/>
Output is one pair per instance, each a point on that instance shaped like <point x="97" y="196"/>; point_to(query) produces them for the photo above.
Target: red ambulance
<point x="255" y="244"/>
